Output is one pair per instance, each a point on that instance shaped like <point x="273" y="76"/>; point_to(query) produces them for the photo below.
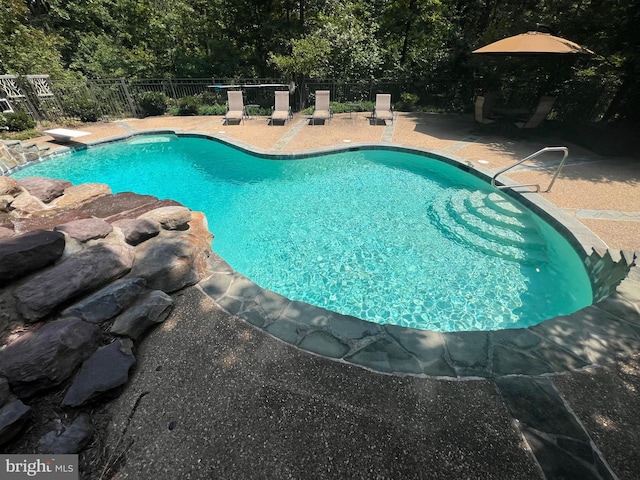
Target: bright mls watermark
<point x="50" y="467"/>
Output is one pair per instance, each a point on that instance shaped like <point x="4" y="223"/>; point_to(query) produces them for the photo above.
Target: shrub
<point x="84" y="108"/>
<point x="17" y="121"/>
<point x="188" y="106"/>
<point x="154" y="103"/>
<point x="212" y="110"/>
<point x="212" y="98"/>
<point x="407" y="102"/>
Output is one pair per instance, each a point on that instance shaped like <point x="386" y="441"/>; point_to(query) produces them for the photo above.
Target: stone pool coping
<point x="592" y="336"/>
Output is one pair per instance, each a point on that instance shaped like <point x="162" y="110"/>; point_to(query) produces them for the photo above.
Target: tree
<point x="25" y="49"/>
<point x="342" y="45"/>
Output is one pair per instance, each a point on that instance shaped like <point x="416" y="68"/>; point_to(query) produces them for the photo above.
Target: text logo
<point x="49" y="467"/>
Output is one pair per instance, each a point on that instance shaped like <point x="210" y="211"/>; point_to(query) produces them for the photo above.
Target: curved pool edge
<point x="594" y="335"/>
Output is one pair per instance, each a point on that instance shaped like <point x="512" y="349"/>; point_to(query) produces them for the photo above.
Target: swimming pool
<point x="386" y="236"/>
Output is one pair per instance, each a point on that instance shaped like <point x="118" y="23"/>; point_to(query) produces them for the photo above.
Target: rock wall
<point x="84" y="274"/>
<point x="14" y="153"/>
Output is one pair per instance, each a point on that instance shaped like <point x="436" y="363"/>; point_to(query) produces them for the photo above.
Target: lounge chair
<point x="281" y="110"/>
<point x="483" y="107"/>
<point x="322" y="110"/>
<point x="382" y="110"/>
<point x="542" y="110"/>
<point x="236" y="109"/>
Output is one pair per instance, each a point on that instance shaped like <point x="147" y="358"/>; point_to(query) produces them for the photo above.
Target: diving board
<point x="65" y="135"/>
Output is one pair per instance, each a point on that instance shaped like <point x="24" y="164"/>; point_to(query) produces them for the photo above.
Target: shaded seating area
<point x="322" y="109"/>
<point x="382" y="109"/>
<point x="281" y="109"/>
<point x="235" y="107"/>
<point x="487" y="113"/>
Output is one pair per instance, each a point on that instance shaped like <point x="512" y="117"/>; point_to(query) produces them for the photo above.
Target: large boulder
<point x="137" y="230"/>
<point x="170" y="218"/>
<point x="106" y="302"/>
<point x="72" y="440"/>
<point x="12" y="417"/>
<point x="6" y="232"/>
<point x="26" y="204"/>
<point x="90" y="268"/>
<point x="46" y="220"/>
<point x="105" y="370"/>
<point x="86" y="229"/>
<point x="77" y="195"/>
<point x="46" y="357"/>
<point x="8" y="186"/>
<point x="140" y="210"/>
<point x="26" y="253"/>
<point x="46" y="189"/>
<point x="171" y="262"/>
<point x="5" y="393"/>
<point x="113" y="204"/>
<point x="148" y="310"/>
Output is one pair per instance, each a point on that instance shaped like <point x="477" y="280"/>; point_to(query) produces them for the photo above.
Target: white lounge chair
<point x="281" y="110"/>
<point x="322" y="110"/>
<point x="236" y="110"/>
<point x="382" y="110"/>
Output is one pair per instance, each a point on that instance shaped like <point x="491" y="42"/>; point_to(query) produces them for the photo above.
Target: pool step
<point x="488" y="223"/>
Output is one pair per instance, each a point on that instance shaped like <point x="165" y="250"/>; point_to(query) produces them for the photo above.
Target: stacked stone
<point x="84" y="275"/>
<point x="14" y="153"/>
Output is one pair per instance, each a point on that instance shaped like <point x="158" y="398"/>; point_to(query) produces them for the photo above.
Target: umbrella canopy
<point x="533" y="43"/>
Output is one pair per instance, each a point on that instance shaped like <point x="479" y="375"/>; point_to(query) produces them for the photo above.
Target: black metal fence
<point x="120" y="98"/>
<point x="90" y="99"/>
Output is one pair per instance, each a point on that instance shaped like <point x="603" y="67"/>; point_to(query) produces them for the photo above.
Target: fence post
<point x="173" y="90"/>
<point x="130" y="101"/>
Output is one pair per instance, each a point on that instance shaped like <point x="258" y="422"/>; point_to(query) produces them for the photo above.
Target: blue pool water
<point x="386" y="236"/>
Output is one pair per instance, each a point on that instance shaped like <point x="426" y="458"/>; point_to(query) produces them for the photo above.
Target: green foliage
<point x="408" y="102"/>
<point x="17" y="121"/>
<point x="308" y="58"/>
<point x="212" y="98"/>
<point x="25" y="48"/>
<point x="343" y="46"/>
<point x="153" y="103"/>
<point x="418" y="41"/>
<point x="346" y="107"/>
<point x="189" y="105"/>
<point x="212" y="110"/>
<point x="82" y="107"/>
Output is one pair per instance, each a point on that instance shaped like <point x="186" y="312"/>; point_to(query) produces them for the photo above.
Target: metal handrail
<point x="539" y="152"/>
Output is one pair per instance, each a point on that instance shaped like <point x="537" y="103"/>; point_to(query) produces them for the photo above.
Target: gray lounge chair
<point x="542" y="110"/>
<point x="382" y="110"/>
<point x="236" y="109"/>
<point x="483" y="106"/>
<point x="322" y="110"/>
<point x="281" y="110"/>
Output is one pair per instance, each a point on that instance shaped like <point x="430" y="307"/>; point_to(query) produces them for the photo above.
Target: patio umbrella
<point x="533" y="43"/>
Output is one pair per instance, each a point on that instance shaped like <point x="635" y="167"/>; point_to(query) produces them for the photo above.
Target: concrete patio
<point x="214" y="397"/>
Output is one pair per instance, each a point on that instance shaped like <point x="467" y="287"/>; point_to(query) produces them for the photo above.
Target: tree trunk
<point x="407" y="32"/>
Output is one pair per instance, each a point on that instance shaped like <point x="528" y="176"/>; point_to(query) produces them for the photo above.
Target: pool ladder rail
<point x="533" y="155"/>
